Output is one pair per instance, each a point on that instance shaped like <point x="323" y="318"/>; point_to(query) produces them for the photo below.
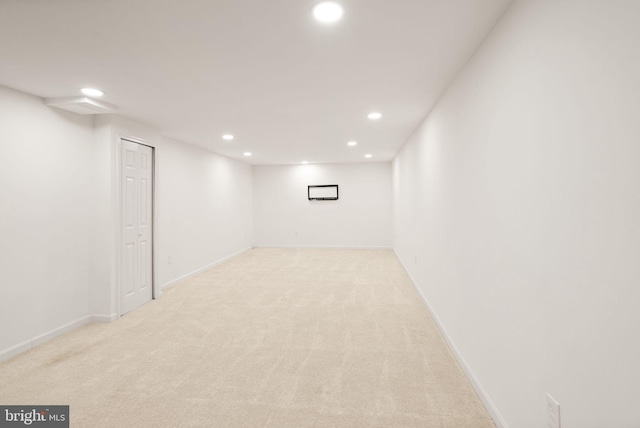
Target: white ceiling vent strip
<point x="81" y="105"/>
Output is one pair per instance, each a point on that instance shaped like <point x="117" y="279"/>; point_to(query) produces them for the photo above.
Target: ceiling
<point x="287" y="87"/>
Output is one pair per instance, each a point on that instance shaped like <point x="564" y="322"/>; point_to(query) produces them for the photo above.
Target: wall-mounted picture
<point x="325" y="192"/>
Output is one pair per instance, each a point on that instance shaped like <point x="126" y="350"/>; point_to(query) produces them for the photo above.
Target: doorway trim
<point x="117" y="293"/>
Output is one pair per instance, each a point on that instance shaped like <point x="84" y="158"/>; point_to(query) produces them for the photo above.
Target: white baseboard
<point x="324" y="247"/>
<point x="52" y="334"/>
<point x="5" y="354"/>
<point x="45" y="337"/>
<point x="39" y="340"/>
<point x="482" y="393"/>
<point x="104" y="318"/>
<point x="202" y="269"/>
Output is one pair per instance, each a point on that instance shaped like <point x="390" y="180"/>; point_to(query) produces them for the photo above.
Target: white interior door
<point x="137" y="220"/>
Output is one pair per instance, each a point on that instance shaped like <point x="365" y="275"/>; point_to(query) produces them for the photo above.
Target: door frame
<point x="117" y="203"/>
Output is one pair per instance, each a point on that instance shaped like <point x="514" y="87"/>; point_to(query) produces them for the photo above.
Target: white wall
<point x="204" y="209"/>
<point x="45" y="158"/>
<point x="361" y="217"/>
<point x="516" y="211"/>
<point x="59" y="215"/>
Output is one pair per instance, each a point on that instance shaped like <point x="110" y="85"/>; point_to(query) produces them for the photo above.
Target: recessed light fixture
<point x="328" y="12"/>
<point x="368" y="155"/>
<point x="374" y="115"/>
<point x="227" y="137"/>
<point x="305" y="162"/>
<point x="247" y="153"/>
<point x="91" y="92"/>
<point x="352" y="143"/>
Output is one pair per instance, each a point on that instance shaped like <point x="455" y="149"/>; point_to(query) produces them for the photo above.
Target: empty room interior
<point x="349" y="213"/>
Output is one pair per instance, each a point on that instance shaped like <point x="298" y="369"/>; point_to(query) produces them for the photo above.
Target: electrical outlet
<point x="170" y="259"/>
<point x="553" y="412"/>
<point x="415" y="260"/>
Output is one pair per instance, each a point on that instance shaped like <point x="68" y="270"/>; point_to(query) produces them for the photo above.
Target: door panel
<point x="143" y="211"/>
<point x="129" y="269"/>
<point x="129" y="202"/>
<point x="142" y="260"/>
<point x="137" y="220"/>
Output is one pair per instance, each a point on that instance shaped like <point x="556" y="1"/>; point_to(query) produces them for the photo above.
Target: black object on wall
<point x="324" y="192"/>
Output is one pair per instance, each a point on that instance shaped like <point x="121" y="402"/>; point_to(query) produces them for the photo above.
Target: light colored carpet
<point x="273" y="338"/>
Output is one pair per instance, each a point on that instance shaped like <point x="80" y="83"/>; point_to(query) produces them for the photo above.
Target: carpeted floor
<point x="273" y="338"/>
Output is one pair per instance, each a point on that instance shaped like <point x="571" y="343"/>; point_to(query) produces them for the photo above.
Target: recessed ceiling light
<point x="374" y="115"/>
<point x="368" y="155"/>
<point x="91" y="92"/>
<point x="328" y="11"/>
<point x="352" y="143"/>
<point x="305" y="162"/>
<point x="227" y="137"/>
<point x="247" y="153"/>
